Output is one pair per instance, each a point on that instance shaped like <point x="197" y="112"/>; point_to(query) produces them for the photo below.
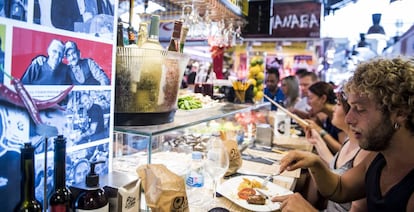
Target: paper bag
<point x="163" y="189"/>
<point x="235" y="160"/>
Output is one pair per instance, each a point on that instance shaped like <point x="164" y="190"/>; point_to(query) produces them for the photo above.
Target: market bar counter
<point x="172" y="143"/>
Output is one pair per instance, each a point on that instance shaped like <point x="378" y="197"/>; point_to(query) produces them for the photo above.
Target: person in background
<point x="80" y="170"/>
<point x="381" y="120"/>
<point x="306" y="79"/>
<point x="52" y="71"/>
<point x="322" y="100"/>
<point x="290" y="88"/>
<point x="84" y="71"/>
<point x="94" y="112"/>
<point x="272" y="89"/>
<point x="192" y="75"/>
<point x="300" y="71"/>
<point x="349" y="155"/>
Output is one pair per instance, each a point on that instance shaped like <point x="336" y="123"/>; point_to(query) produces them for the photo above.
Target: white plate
<point x="229" y="190"/>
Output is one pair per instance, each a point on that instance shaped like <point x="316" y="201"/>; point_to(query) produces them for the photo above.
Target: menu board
<point x="62" y="54"/>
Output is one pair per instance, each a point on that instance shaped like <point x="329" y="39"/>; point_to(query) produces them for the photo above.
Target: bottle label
<point x="195" y="180"/>
<point x="103" y="209"/>
<point x="58" y="208"/>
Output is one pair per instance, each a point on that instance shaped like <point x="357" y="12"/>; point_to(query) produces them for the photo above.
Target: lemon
<point x="254" y="91"/>
<point x="253" y="62"/>
<point x="260" y="76"/>
<point x="254" y="70"/>
<point x="259" y="95"/>
<point x="252" y="81"/>
<point x="259" y="61"/>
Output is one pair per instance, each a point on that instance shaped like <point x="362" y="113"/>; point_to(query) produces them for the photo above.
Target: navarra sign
<point x="296" y="20"/>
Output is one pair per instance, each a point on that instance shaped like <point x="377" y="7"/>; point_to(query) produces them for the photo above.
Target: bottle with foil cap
<point x="142" y="33"/>
<point x="175" y="37"/>
<point x="183" y="37"/>
<point x="153" y="41"/>
<point x="120" y="34"/>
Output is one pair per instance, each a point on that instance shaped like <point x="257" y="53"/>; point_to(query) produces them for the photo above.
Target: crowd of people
<point x="362" y="132"/>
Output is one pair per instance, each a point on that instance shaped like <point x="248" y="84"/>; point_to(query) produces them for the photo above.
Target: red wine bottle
<point x="61" y="198"/>
<point x="28" y="201"/>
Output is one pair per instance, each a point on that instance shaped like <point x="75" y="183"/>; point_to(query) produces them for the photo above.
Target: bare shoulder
<point x="365" y="157"/>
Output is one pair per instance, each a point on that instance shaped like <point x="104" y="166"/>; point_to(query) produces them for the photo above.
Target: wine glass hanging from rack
<point x="204" y="24"/>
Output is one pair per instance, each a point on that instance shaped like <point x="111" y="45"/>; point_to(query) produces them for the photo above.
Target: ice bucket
<point x="147" y="85"/>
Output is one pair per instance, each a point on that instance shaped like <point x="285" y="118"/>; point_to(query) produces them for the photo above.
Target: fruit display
<point x="256" y="76"/>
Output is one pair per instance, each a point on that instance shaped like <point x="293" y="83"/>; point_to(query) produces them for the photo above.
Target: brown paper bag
<point x="235" y="160"/>
<point x="164" y="190"/>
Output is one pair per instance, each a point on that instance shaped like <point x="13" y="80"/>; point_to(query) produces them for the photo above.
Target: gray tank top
<point x="340" y="207"/>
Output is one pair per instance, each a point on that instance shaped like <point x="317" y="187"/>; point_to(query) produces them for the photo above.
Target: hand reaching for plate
<point x="293" y="202"/>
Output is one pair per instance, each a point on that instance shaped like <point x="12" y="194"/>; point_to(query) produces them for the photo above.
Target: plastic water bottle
<point x="195" y="182"/>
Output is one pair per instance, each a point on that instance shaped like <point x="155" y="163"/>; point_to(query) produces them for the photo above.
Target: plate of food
<point x="246" y="192"/>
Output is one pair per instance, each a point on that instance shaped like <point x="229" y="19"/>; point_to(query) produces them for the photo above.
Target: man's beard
<point x="379" y="137"/>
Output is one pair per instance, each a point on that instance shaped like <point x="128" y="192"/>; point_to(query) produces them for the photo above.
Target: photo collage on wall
<point x="62" y="54"/>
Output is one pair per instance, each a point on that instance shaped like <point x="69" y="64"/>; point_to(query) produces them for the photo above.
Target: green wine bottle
<point x="28" y="201"/>
<point x="61" y="198"/>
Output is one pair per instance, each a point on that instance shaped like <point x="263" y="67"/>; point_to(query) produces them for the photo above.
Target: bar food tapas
<point x="242" y="191"/>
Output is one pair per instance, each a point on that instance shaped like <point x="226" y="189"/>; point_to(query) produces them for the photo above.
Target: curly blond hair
<point x="389" y="82"/>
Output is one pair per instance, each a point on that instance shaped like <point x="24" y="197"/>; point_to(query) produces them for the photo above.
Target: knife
<point x="258" y="190"/>
<point x="256" y="159"/>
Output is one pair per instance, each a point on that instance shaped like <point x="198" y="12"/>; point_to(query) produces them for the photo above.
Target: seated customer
<point x="290" y="88"/>
<point x="381" y="120"/>
<point x="322" y="100"/>
<point x="347" y="157"/>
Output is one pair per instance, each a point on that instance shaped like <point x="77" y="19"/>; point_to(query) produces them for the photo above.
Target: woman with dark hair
<point x="322" y="100"/>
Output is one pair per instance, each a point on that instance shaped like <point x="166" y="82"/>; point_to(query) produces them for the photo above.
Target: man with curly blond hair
<point x="381" y="96"/>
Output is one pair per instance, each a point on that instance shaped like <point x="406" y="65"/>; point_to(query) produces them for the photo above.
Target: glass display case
<point x="171" y="143"/>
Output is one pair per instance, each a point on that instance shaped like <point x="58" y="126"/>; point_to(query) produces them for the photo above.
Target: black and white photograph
<point x="14" y="9"/>
<point x="87" y="16"/>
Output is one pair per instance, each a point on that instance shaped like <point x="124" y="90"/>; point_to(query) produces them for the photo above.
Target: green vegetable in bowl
<point x="189" y="103"/>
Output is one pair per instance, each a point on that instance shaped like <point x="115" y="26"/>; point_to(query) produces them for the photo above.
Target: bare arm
<point x="294" y="202"/>
<point x="352" y="186"/>
<point x="330" y="141"/>
<point x="348" y="187"/>
<point x="314" y="138"/>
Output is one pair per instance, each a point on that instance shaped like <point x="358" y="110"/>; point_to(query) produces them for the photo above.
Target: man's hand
<point x="296" y="159"/>
<point x="293" y="202"/>
<point x="39" y="60"/>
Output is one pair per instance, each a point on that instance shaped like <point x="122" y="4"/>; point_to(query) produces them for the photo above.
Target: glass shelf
<point x="185" y="119"/>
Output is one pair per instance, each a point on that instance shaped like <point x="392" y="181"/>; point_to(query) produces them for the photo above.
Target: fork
<point x="267" y="179"/>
